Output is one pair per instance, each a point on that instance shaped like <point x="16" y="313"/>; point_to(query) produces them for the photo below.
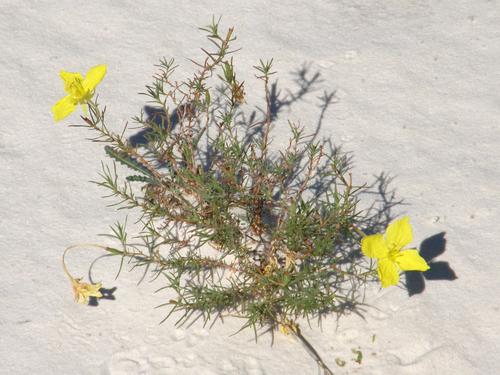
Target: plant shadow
<point x="107" y="294"/>
<point x="343" y="250"/>
<point x="376" y="217"/>
<point x="156" y="116"/>
<point x="430" y="248"/>
<point x="305" y="82"/>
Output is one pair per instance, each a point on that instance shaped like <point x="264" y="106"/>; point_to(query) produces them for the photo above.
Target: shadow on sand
<point x="430" y="249"/>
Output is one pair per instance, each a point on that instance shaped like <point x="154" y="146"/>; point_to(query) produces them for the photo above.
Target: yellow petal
<point x="387" y="273"/>
<point x="83" y="291"/>
<point x="94" y="76"/>
<point x="374" y="246"/>
<point x="63" y="108"/>
<point x="93" y="290"/>
<point x="410" y="260"/>
<point x="399" y="233"/>
<point x="80" y="298"/>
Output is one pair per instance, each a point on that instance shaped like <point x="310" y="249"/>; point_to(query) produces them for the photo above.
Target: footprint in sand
<point x="144" y="361"/>
<point x="191" y="338"/>
<point x="136" y="362"/>
<point x="253" y="367"/>
<point x="125" y="363"/>
<point x="162" y="362"/>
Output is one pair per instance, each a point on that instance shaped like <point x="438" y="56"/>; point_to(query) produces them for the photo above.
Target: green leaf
<point x="137" y="178"/>
<point x="125" y="159"/>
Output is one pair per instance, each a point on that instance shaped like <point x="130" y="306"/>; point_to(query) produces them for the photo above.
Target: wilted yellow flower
<point x="271" y="265"/>
<point x="79" y="90"/>
<point x="389" y="254"/>
<point x="290" y="262"/>
<point x="83" y="291"/>
<point x="288" y="327"/>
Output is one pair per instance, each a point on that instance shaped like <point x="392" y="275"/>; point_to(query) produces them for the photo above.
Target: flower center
<point x="77" y="91"/>
<point x="392" y="254"/>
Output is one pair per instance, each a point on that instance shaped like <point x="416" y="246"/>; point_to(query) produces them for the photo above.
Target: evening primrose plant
<point x="230" y="224"/>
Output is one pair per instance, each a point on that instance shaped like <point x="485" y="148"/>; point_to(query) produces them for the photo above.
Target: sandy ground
<point x="417" y="98"/>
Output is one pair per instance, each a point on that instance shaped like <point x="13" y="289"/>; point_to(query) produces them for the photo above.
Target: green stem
<point x="358" y="231"/>
<point x="310" y="349"/>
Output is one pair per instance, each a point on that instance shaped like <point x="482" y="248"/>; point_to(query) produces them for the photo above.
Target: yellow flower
<point x="389" y="254"/>
<point x="79" y="90"/>
<point x="288" y="327"/>
<point x="83" y="291"/>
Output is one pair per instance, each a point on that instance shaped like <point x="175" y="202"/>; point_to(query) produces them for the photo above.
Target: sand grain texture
<point x="417" y="96"/>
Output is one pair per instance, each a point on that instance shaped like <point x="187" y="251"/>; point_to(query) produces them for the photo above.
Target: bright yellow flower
<point x="83" y="291"/>
<point x="389" y="254"/>
<point x="79" y="90"/>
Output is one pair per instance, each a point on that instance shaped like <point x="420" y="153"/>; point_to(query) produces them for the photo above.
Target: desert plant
<point x="231" y="224"/>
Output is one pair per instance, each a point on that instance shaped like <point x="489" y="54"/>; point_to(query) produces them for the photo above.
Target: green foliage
<point x="231" y="224"/>
<point x="125" y="159"/>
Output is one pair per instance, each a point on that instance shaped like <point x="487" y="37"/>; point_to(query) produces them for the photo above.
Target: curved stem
<point x="65" y="268"/>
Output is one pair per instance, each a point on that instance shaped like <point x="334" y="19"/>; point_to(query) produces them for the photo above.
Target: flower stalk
<point x="81" y="290"/>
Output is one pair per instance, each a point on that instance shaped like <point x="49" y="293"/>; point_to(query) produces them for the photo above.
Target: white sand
<point x="418" y="97"/>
